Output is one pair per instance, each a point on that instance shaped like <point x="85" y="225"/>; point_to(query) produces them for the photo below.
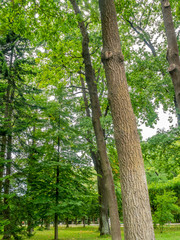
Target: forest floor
<point x="91" y="232"/>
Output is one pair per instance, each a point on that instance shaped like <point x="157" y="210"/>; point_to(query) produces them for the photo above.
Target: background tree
<point x="96" y="114"/>
<point x="173" y="51"/>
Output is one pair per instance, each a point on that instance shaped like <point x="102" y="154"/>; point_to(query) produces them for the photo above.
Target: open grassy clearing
<point x="91" y="232"/>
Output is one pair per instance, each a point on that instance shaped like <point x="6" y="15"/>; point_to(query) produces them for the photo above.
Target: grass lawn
<point x="91" y="232"/>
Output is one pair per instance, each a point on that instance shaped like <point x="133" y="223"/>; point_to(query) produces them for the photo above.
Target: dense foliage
<point x="45" y="135"/>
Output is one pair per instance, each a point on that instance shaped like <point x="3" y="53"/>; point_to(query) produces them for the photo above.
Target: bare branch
<point x="148" y="43"/>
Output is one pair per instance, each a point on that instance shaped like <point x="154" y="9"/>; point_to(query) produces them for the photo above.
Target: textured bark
<point x="177" y="111"/>
<point x="103" y="199"/>
<point x="101" y="144"/>
<point x="172" y="52"/>
<point x="103" y="203"/>
<point x="135" y="199"/>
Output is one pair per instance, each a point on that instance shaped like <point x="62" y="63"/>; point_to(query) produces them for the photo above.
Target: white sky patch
<point x="162" y="124"/>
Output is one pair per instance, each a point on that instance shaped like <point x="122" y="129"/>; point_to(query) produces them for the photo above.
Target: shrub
<point x="165" y="208"/>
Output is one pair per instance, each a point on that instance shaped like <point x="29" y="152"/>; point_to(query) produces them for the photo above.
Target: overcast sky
<point x="163" y="123"/>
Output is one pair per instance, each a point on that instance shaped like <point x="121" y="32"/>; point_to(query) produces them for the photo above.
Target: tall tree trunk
<point x="135" y="199"/>
<point x="172" y="52"/>
<point x="103" y="200"/>
<point x="101" y="144"/>
<point x="3" y="144"/>
<point x="4" y="137"/>
<point x="55" y="226"/>
<point x="31" y="159"/>
<point x="104" y="217"/>
<point x="177" y="111"/>
<point x="103" y="203"/>
<point x="57" y="191"/>
<point x="8" y="127"/>
<point x="2" y="160"/>
<point x="6" y="212"/>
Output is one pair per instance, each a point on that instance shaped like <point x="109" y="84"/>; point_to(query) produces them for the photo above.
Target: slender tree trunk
<point x="177" y="111"/>
<point x="42" y="221"/>
<point x="103" y="203"/>
<point x="135" y="199"/>
<point x="75" y="221"/>
<point x="103" y="200"/>
<point x="8" y="127"/>
<point x="172" y="52"/>
<point x="31" y="159"/>
<point x="103" y="218"/>
<point x="4" y="137"/>
<point x="6" y="212"/>
<point x="101" y="144"/>
<point x="57" y="192"/>
<point x="89" y="220"/>
<point x="29" y="225"/>
<point x="83" y="220"/>
<point x="2" y="160"/>
<point x="56" y="215"/>
<point x="67" y="222"/>
<point x="56" y="226"/>
<point x="47" y="223"/>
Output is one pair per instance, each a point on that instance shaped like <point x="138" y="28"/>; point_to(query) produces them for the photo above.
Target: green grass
<point x="169" y="232"/>
<point x="91" y="232"/>
<point x="70" y="233"/>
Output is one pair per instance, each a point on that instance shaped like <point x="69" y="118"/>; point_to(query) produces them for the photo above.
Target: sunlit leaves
<point x="161" y="155"/>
